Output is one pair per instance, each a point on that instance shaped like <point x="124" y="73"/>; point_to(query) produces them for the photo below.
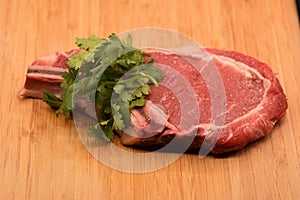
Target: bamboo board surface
<point x="42" y="157"/>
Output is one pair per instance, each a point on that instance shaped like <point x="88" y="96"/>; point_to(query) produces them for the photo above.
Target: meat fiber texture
<point x="254" y="100"/>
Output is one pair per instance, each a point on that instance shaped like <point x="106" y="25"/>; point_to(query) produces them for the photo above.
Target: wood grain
<point x="42" y="157"/>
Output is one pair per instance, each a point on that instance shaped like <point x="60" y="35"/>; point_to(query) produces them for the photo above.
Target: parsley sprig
<point x="113" y="75"/>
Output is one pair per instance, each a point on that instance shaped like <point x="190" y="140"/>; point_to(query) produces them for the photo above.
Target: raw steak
<point x="254" y="101"/>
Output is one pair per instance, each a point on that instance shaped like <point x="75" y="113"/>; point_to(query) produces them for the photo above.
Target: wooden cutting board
<point x="42" y="157"/>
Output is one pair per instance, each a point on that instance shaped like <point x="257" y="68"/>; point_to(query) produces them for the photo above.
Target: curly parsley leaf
<point x="88" y="43"/>
<point x="51" y="100"/>
<point x="74" y="63"/>
<point x="113" y="75"/>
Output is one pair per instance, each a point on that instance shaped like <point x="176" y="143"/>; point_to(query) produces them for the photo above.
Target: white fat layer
<point x="48" y="68"/>
<point x="239" y="66"/>
<point x="44" y="76"/>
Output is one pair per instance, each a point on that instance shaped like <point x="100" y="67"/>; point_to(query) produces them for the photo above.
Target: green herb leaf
<point x="88" y="43"/>
<point x="51" y="100"/>
<point x="113" y="75"/>
<point x="75" y="61"/>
